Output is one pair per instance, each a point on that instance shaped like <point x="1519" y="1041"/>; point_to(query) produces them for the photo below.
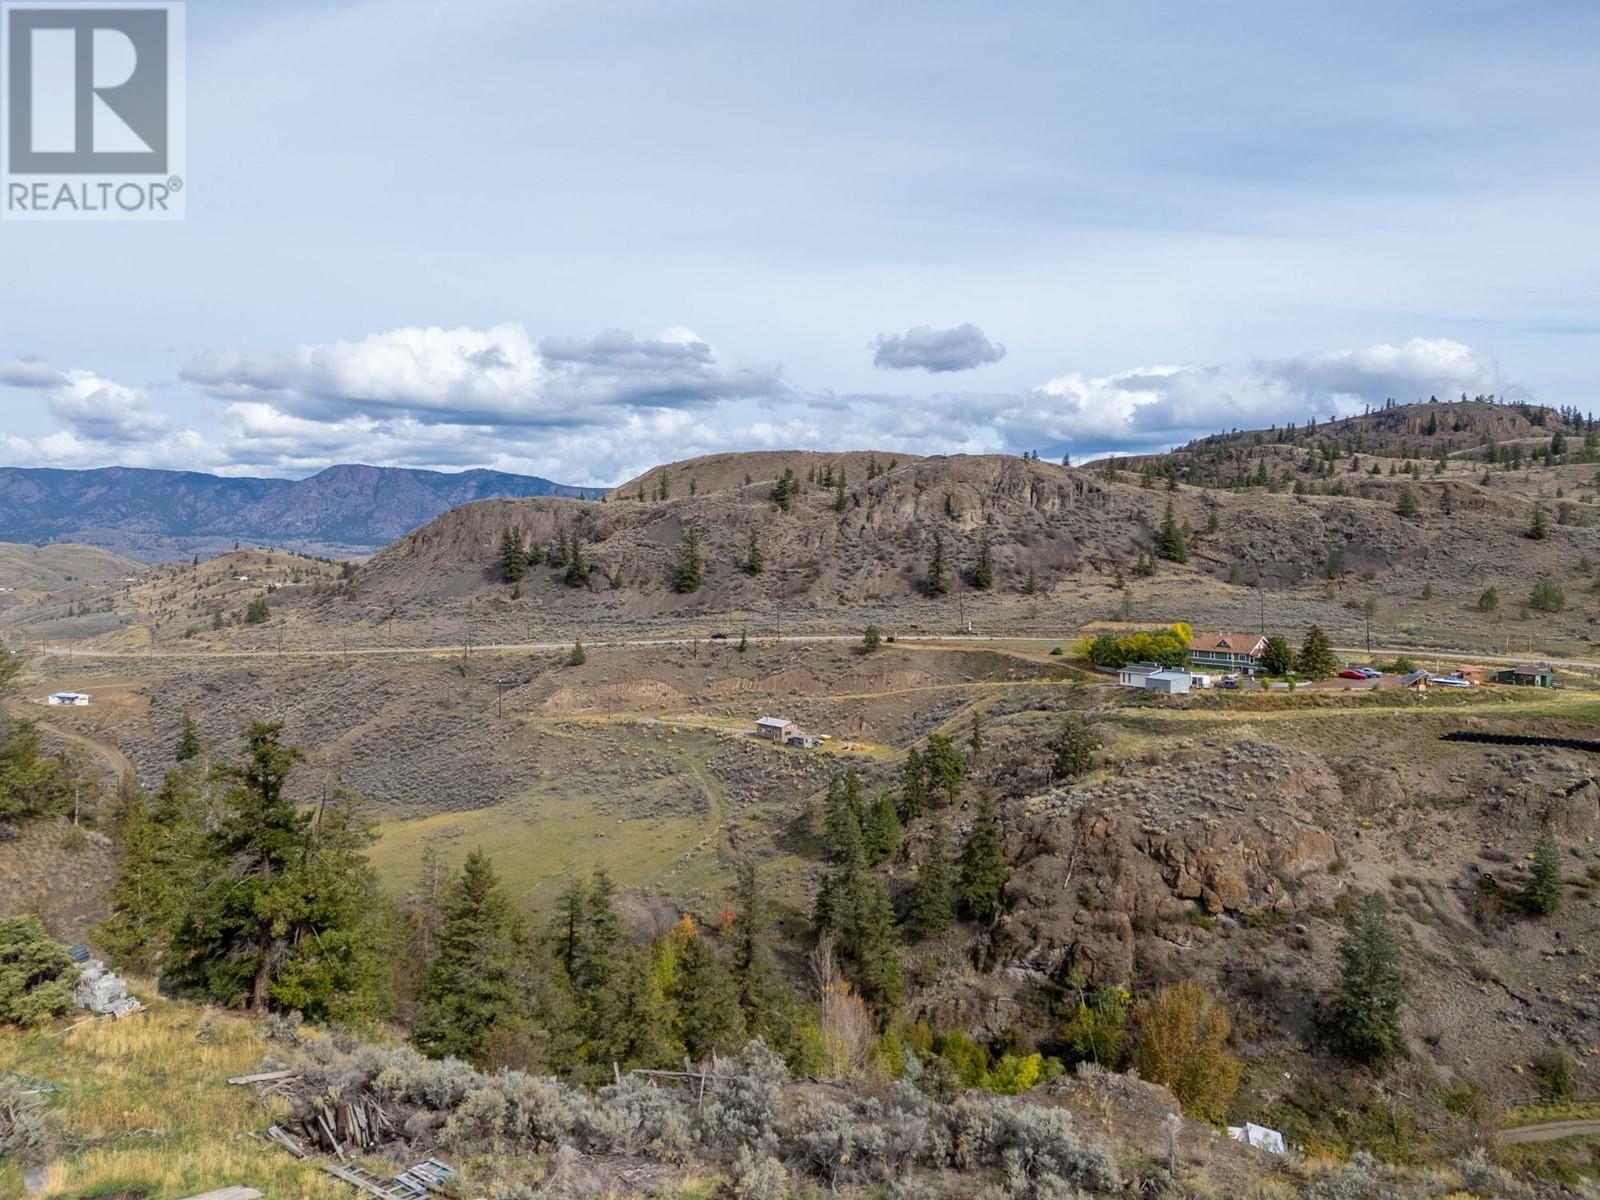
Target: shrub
<point x="1556" y="1073"/>
<point x="36" y="973"/>
<point x="29" y="1127"/>
<point x="1179" y="1041"/>
<point x="1547" y="597"/>
<point x="753" y="1176"/>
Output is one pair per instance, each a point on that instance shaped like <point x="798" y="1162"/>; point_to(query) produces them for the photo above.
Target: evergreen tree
<point x="750" y="943"/>
<point x="691" y="568"/>
<point x="1075" y="748"/>
<point x="983" y="864"/>
<point x="474" y="986"/>
<point x="744" y="641"/>
<point x="854" y="908"/>
<point x="1316" y="660"/>
<point x="578" y="656"/>
<point x="161" y="868"/>
<point x="189" y="744"/>
<point x="577" y="575"/>
<point x="935" y="585"/>
<point x="784" y="490"/>
<point x="1489" y="601"/>
<point x="931" y="909"/>
<point x="871" y="640"/>
<point x="561" y="552"/>
<point x="706" y="997"/>
<point x="1363" y="1016"/>
<point x="1169" y="540"/>
<point x="1277" y="658"/>
<point x="1540" y="528"/>
<point x="975" y="736"/>
<point x="646" y="1033"/>
<point x="840" y="497"/>
<point x="880" y="834"/>
<point x="1406" y="505"/>
<point x="1542" y="893"/>
<point x="842" y="819"/>
<point x="1031" y="587"/>
<point x="944" y="767"/>
<point x="913" y="785"/>
<point x="285" y="914"/>
<point x="513" y="559"/>
<point x="983" y="569"/>
<point x="753" y="562"/>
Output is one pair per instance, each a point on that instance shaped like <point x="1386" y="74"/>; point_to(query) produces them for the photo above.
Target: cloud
<point x="495" y="376"/>
<point x="1158" y="406"/>
<point x="94" y="409"/>
<point x="602" y="409"/>
<point x="936" y="350"/>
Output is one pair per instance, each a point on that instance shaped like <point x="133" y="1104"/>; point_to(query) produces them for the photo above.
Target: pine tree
<point x="691" y="568"/>
<point x="783" y="491"/>
<point x="975" y="736"/>
<point x="753" y="561"/>
<point x="840" y="498"/>
<point x="1075" y="748"/>
<point x="854" y="909"/>
<point x="983" y="569"/>
<point x="645" y="1034"/>
<point x="1363" y="1016"/>
<point x="871" y="640"/>
<point x="161" y="868"/>
<point x="578" y="657"/>
<point x="935" y="585"/>
<point x="474" y="986"/>
<point x="983" y="864"/>
<point x="1540" y="529"/>
<point x="1406" y="505"/>
<point x="707" y="1001"/>
<point x="561" y="552"/>
<point x="1169" y="540"/>
<point x="750" y="945"/>
<point x="744" y="641"/>
<point x="944" y="767"/>
<point x="513" y="559"/>
<point x="189" y="744"/>
<point x="842" y="819"/>
<point x="932" y="909"/>
<point x="1542" y="893"/>
<point x="1031" y="587"/>
<point x="287" y="914"/>
<point x="1489" y="601"/>
<point x="1316" y="660"/>
<point x="913" y="785"/>
<point x="880" y="833"/>
<point x="577" y="575"/>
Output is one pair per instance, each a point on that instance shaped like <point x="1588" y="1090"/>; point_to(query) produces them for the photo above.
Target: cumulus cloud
<point x="1157" y="406"/>
<point x="92" y="408"/>
<point x="936" y="350"/>
<point x="599" y="410"/>
<point x="495" y="376"/>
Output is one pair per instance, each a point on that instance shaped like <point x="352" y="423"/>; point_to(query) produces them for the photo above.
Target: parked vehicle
<point x="1353" y="673"/>
<point x="1371" y="672"/>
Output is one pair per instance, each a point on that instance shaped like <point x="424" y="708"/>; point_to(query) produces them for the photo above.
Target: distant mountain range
<point x="158" y="515"/>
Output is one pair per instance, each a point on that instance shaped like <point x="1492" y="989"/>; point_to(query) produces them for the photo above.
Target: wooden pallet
<point x="364" y="1180"/>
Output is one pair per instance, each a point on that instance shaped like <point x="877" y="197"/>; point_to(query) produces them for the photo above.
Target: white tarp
<point x="1258" y="1136"/>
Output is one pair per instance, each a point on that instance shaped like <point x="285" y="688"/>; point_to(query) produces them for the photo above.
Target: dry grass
<point x="147" y="1108"/>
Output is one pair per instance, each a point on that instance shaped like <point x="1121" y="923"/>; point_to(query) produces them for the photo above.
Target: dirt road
<point x="1550" y="1131"/>
<point x="109" y="754"/>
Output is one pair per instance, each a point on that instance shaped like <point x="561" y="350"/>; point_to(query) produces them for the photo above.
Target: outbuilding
<point x="68" y="699"/>
<point x="1171" y="682"/>
<point x="1528" y="675"/>
<point x="774" y="729"/>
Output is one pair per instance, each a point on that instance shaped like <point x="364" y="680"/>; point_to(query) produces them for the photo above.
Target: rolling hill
<point x="157" y="515"/>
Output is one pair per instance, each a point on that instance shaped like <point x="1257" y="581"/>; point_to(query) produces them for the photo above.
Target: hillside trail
<point x="1550" y="1131"/>
<point x="109" y="753"/>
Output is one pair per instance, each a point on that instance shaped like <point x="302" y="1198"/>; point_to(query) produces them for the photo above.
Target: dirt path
<point x="109" y="753"/>
<point x="1550" y="1131"/>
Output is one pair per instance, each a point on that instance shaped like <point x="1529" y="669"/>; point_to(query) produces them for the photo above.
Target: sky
<point x="579" y="239"/>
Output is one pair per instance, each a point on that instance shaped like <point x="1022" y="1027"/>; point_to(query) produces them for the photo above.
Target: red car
<point x="1352" y="673"/>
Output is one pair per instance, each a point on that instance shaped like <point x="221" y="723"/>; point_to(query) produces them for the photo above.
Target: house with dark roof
<point x="1235" y="653"/>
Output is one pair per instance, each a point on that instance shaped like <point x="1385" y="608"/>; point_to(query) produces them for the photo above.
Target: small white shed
<point x="68" y="699"/>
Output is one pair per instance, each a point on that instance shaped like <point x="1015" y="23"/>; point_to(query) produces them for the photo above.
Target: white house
<point x="1134" y="674"/>
<point x="68" y="699"/>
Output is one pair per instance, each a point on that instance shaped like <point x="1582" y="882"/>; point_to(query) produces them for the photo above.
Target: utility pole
<point x="499" y="698"/>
